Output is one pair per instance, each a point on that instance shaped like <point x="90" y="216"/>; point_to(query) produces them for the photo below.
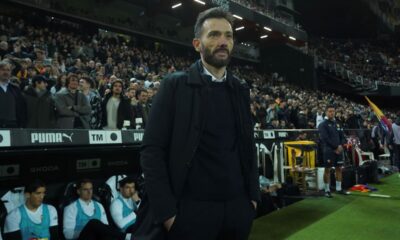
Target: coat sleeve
<point x="154" y="155"/>
<point x="62" y="107"/>
<point x="83" y="107"/>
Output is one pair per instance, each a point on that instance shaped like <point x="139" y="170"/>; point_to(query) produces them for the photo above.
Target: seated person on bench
<point x="85" y="218"/>
<point x="124" y="206"/>
<point x="33" y="220"/>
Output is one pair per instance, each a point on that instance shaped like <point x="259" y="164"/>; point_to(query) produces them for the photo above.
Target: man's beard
<point x="209" y="57"/>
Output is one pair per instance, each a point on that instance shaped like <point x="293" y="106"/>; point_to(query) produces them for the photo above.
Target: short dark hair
<point x="69" y="77"/>
<point x="4" y="63"/>
<point x="117" y="81"/>
<point x="88" y="80"/>
<point x="139" y="91"/>
<point x="330" y="106"/>
<point x="215" y="12"/>
<point x="125" y="181"/>
<point x="34" y="185"/>
<point x="38" y="79"/>
<point x="83" y="181"/>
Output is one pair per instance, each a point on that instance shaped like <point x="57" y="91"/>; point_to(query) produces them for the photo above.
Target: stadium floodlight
<point x="201" y="2"/>
<point x="237" y="16"/>
<point x="292" y="38"/>
<point x="176" y="5"/>
<point x="264" y="36"/>
<point x="239" y="28"/>
<point x="268" y="29"/>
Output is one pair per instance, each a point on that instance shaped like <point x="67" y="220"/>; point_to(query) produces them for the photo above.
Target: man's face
<point x="41" y="85"/>
<point x="216" y="42"/>
<point x="91" y="64"/>
<point x="83" y="85"/>
<point x="5" y="73"/>
<point x="117" y="88"/>
<point x="73" y="84"/>
<point x="128" y="190"/>
<point x="143" y="97"/>
<point x="330" y="113"/>
<point x="131" y="93"/>
<point x="35" y="199"/>
<point x="85" y="191"/>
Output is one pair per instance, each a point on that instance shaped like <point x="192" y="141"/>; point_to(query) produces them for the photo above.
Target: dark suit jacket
<point x="173" y="132"/>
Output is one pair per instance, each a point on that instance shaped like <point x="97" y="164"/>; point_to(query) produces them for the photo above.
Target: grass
<point x="343" y="217"/>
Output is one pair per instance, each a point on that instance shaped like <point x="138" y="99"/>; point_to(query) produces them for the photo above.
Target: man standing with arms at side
<point x="12" y="103"/>
<point x="198" y="153"/>
<point x="332" y="141"/>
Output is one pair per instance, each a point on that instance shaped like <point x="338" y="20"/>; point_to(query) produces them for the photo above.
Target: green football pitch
<point x="341" y="217"/>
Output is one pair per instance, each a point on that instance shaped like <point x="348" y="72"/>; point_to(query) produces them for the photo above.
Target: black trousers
<point x="213" y="220"/>
<point x="96" y="230"/>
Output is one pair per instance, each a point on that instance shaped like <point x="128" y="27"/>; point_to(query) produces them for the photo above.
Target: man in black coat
<point x="41" y="111"/>
<point x="332" y="141"/>
<point x="12" y="103"/>
<point x="116" y="108"/>
<point x="198" y="154"/>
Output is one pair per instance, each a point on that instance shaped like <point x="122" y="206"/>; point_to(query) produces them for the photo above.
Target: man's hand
<point x="254" y="204"/>
<point x="339" y="150"/>
<point x="169" y="222"/>
<point x="135" y="197"/>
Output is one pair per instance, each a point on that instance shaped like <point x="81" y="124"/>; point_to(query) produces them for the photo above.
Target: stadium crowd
<point x="267" y="10"/>
<point x="71" y="80"/>
<point x="375" y="60"/>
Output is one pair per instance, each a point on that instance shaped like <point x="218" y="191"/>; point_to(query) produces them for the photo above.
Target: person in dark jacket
<point x="12" y="103"/>
<point x="142" y="108"/>
<point x="332" y="141"/>
<point x="116" y="108"/>
<point x="40" y="105"/>
<point x="198" y="152"/>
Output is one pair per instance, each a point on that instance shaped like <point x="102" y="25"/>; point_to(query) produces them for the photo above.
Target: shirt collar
<point x="213" y="78"/>
<point x="5" y="84"/>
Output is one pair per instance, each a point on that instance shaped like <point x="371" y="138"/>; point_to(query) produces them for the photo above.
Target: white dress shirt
<point x="70" y="213"/>
<point x="213" y="78"/>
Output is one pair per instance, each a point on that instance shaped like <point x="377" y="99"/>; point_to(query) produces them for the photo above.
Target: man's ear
<point x="196" y="44"/>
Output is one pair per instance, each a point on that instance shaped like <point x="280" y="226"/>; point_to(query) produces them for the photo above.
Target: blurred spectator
<point x="142" y="109"/>
<point x="3" y="49"/>
<point x="131" y="94"/>
<point x="274" y="124"/>
<point x="40" y="105"/>
<point x="94" y="100"/>
<point x="60" y="84"/>
<point x="12" y="103"/>
<point x="72" y="106"/>
<point x="116" y="108"/>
